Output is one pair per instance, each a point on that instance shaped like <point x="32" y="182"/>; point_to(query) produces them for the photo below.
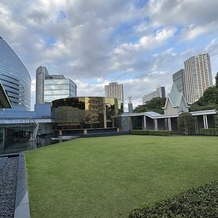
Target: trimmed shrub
<point x="196" y="202"/>
<point x="209" y="132"/>
<point x="152" y="132"/>
<point x="186" y="123"/>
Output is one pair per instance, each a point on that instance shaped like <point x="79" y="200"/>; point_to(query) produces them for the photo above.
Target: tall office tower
<point x="178" y="80"/>
<point x="159" y="92"/>
<point x="198" y="77"/>
<point x="114" y="90"/>
<point x="14" y="77"/>
<point x="52" y="87"/>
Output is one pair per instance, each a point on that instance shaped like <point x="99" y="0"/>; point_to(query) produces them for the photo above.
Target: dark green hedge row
<point x="152" y="132"/>
<point x="210" y="131"/>
<point x="197" y="202"/>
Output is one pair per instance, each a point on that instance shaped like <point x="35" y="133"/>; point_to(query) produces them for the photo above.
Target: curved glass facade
<point x="86" y="112"/>
<point x="14" y="77"/>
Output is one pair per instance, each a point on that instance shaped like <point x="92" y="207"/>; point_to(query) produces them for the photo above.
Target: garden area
<point x="110" y="176"/>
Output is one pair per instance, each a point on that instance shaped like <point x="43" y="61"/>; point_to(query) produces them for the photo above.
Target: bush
<point x="152" y="132"/>
<point x="209" y="132"/>
<point x="196" y="202"/>
<point x="186" y="123"/>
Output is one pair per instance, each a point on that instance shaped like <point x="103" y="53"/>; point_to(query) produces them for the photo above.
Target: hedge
<point x="209" y="132"/>
<point x="196" y="202"/>
<point x="152" y="132"/>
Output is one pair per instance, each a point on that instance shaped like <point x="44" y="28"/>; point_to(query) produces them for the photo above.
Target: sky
<point x="137" y="43"/>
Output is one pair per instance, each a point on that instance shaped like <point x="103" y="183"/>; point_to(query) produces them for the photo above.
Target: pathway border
<point x="22" y="208"/>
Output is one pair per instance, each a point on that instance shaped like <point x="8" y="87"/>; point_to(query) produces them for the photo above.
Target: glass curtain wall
<point x="86" y="112"/>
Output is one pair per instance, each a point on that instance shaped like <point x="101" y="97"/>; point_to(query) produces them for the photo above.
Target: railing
<point x="25" y="121"/>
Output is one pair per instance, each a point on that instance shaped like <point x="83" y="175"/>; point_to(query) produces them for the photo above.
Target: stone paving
<point x="14" y="201"/>
<point x="8" y="185"/>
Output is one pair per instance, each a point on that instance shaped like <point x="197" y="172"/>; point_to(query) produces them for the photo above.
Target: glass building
<point x="178" y="79"/>
<point x="14" y="77"/>
<point x="86" y="112"/>
<point x="52" y="87"/>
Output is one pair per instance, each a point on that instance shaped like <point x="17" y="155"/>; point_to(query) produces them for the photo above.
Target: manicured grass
<point x="109" y="176"/>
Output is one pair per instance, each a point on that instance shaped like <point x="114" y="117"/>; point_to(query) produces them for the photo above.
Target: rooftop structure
<point x="175" y="102"/>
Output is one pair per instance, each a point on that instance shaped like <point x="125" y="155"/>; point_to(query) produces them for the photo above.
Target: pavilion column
<point x="130" y="123"/>
<point x="169" y="124"/>
<point x="113" y="122"/>
<point x="205" y="121"/>
<point x="2" y="142"/>
<point x="145" y="124"/>
<point x="155" y="124"/>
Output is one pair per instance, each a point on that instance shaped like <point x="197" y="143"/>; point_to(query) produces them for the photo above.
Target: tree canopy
<point x="155" y="104"/>
<point x="208" y="101"/>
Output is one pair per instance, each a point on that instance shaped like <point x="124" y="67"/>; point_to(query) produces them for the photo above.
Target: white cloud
<point x="182" y="11"/>
<point x="146" y="42"/>
<point x="110" y="40"/>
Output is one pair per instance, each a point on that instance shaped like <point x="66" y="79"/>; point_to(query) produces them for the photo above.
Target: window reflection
<point x="85" y="112"/>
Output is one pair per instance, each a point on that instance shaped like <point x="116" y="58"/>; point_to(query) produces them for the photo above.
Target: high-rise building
<point x="52" y="87"/>
<point x="159" y="92"/>
<point x="114" y="90"/>
<point x="178" y="80"/>
<point x="197" y="76"/>
<point x="14" y="77"/>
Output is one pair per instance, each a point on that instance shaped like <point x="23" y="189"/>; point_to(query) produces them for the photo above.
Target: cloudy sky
<point x="139" y="43"/>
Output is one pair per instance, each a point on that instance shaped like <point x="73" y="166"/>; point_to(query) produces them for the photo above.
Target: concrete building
<point x="197" y="76"/>
<point x="114" y="90"/>
<point x="52" y="87"/>
<point x="159" y="92"/>
<point x="178" y="80"/>
<point x="14" y="77"/>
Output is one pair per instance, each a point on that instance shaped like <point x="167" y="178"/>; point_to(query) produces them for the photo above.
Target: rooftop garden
<point x="111" y="176"/>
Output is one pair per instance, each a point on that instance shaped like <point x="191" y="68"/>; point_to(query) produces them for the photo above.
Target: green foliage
<point x="196" y="202"/>
<point x="186" y="123"/>
<point x="152" y="132"/>
<point x="209" y="132"/>
<point x="155" y="104"/>
<point x="216" y="78"/>
<point x="208" y="101"/>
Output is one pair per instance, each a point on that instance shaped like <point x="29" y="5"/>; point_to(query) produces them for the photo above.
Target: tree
<point x="186" y="123"/>
<point x="208" y="101"/>
<point x="216" y="78"/>
<point x="155" y="104"/>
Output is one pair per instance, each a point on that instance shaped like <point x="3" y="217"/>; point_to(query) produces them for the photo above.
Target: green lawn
<point x="109" y="176"/>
